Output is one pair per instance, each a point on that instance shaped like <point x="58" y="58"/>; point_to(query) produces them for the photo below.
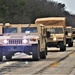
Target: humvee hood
<point x="17" y="36"/>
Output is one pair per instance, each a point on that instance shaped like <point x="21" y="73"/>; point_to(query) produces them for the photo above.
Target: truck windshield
<point x="56" y="30"/>
<point x="30" y="29"/>
<point x="69" y="30"/>
<point x="9" y="30"/>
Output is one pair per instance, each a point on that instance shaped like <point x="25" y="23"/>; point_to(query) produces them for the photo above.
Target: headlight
<point x="25" y="41"/>
<point x="5" y="41"/>
<point x="54" y="38"/>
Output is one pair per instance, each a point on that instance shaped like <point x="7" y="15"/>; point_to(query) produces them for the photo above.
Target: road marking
<point x="54" y="64"/>
<point x="71" y="54"/>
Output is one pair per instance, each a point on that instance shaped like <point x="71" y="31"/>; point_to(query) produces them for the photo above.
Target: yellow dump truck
<point x="56" y="31"/>
<point x="73" y="33"/>
<point x="69" y="36"/>
<point x="26" y="38"/>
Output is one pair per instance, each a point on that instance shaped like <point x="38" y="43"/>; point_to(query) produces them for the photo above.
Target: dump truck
<point x="69" y="36"/>
<point x="24" y="38"/>
<point x="56" y="31"/>
<point x="73" y="33"/>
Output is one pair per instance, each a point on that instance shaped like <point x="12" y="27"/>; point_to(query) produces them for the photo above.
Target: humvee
<point x="73" y="33"/>
<point x="56" y="26"/>
<point x="69" y="37"/>
<point x="27" y="38"/>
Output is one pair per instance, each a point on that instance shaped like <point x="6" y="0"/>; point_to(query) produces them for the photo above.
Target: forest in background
<point x="26" y="11"/>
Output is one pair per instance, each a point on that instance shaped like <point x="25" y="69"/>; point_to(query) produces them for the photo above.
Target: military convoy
<point x="57" y="28"/>
<point x="33" y="39"/>
<point x="27" y="38"/>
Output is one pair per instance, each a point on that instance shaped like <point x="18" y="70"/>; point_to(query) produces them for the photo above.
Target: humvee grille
<point x="16" y="41"/>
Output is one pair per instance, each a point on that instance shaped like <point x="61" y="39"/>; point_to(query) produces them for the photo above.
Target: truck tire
<point x="43" y="54"/>
<point x="8" y="57"/>
<point x="36" y="52"/>
<point x="62" y="46"/>
<point x="70" y="44"/>
<point x="1" y="54"/>
<point x="1" y="57"/>
<point x="46" y="49"/>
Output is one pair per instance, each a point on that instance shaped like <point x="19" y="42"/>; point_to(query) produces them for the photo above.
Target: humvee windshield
<point x="30" y="29"/>
<point x="56" y="30"/>
<point x="69" y="30"/>
<point x="9" y="30"/>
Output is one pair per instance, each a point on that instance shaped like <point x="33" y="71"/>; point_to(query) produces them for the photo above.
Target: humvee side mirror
<point x="66" y="33"/>
<point x="47" y="34"/>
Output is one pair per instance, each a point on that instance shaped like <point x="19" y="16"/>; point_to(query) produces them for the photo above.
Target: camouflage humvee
<point x="27" y="38"/>
<point x="56" y="26"/>
<point x="69" y="37"/>
<point x="73" y="33"/>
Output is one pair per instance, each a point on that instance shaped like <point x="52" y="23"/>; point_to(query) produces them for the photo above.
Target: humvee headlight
<point x="54" y="38"/>
<point x="5" y="41"/>
<point x="25" y="41"/>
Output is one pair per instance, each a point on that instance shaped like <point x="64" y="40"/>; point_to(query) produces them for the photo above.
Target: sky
<point x="70" y="5"/>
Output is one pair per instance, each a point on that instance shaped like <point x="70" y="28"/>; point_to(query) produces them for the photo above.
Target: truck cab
<point x="69" y="36"/>
<point x="24" y="38"/>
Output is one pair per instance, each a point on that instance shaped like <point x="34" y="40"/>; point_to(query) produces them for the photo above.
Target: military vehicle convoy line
<point x="33" y="39"/>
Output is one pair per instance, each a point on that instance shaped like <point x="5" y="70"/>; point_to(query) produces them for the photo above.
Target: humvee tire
<point x="1" y="55"/>
<point x="70" y="44"/>
<point x="8" y="57"/>
<point x="62" y="46"/>
<point x="36" y="52"/>
<point x="43" y="54"/>
<point x="46" y="49"/>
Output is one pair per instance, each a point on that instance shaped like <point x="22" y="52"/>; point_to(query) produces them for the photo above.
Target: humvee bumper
<point x="14" y="49"/>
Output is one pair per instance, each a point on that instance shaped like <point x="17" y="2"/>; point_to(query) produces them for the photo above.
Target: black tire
<point x="1" y="54"/>
<point x="36" y="52"/>
<point x="8" y="57"/>
<point x="43" y="54"/>
<point x="70" y="44"/>
<point x="46" y="49"/>
<point x="1" y="57"/>
<point x="62" y="46"/>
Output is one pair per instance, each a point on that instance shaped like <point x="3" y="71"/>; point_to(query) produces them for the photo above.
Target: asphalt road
<point x="56" y="63"/>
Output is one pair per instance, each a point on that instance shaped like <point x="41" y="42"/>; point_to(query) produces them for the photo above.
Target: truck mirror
<point x="66" y="33"/>
<point x="47" y="34"/>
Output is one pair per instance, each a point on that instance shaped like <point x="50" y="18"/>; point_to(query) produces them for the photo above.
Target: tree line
<point x="26" y="11"/>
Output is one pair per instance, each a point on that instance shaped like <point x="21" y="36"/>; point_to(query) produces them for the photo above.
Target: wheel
<point x="70" y="44"/>
<point x="1" y="57"/>
<point x="1" y="54"/>
<point x="43" y="54"/>
<point x="8" y="57"/>
<point x="62" y="46"/>
<point x="36" y="52"/>
<point x="46" y="49"/>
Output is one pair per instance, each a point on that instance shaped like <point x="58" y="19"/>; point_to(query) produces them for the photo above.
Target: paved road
<point x="56" y="63"/>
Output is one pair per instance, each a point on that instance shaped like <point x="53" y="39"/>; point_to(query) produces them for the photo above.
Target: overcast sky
<point x="70" y="5"/>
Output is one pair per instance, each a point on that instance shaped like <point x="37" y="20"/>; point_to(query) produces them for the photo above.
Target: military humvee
<point x="56" y="26"/>
<point x="69" y="37"/>
<point x="73" y="33"/>
<point x="27" y="38"/>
